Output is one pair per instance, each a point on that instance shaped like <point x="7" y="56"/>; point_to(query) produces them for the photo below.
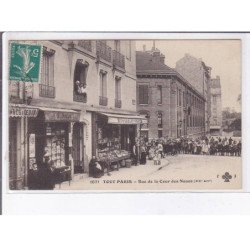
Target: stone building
<point x="85" y="87"/>
<point x="216" y="108"/>
<point x="198" y="74"/>
<point x="174" y="108"/>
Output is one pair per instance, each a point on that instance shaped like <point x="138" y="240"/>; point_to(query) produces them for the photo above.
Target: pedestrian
<point x="46" y="173"/>
<point x="143" y="159"/>
<point x="95" y="169"/>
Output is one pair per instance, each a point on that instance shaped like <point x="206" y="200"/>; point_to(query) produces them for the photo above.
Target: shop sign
<point x="23" y="112"/>
<point x="118" y="120"/>
<point x="61" y="116"/>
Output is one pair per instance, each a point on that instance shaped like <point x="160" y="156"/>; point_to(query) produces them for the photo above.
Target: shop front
<point x="56" y="133"/>
<point x="18" y="143"/>
<point x="114" y="136"/>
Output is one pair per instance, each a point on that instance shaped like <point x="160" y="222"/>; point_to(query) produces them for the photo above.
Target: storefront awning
<point x="56" y="115"/>
<point x="124" y="119"/>
<point x="22" y="110"/>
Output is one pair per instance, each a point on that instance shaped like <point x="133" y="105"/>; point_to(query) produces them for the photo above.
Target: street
<point x="181" y="172"/>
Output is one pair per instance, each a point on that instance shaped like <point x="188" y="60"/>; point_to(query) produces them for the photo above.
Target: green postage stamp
<point x="25" y="62"/>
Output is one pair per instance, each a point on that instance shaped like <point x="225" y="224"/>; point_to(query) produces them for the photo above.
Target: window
<point x="80" y="76"/>
<point x="143" y="94"/>
<point x="118" y="88"/>
<point x="103" y="83"/>
<point x="46" y="88"/>
<point x="159" y="94"/>
<point x="47" y="70"/>
<point x="159" y="116"/>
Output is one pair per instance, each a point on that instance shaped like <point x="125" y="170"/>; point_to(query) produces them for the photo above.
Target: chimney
<point x="162" y="58"/>
<point x="144" y="48"/>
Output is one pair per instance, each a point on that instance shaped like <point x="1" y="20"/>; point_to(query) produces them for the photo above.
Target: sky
<point x="223" y="56"/>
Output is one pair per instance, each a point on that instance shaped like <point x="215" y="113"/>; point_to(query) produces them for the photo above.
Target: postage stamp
<point x="25" y="62"/>
<point x="125" y="114"/>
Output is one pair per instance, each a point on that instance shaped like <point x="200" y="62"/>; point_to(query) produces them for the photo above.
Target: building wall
<point x="216" y="106"/>
<point x="198" y="75"/>
<point x="174" y="114"/>
<point x="64" y="64"/>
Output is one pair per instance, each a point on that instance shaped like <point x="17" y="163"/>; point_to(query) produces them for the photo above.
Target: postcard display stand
<point x="55" y="144"/>
<point x="109" y="148"/>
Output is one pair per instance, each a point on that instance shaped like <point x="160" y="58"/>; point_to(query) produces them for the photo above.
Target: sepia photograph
<point x="124" y="115"/>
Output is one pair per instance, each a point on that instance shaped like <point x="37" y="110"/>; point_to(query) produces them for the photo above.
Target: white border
<point x="121" y="202"/>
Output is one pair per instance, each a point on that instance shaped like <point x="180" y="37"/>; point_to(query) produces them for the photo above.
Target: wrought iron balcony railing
<point x="103" y="51"/>
<point x="118" y="103"/>
<point x="80" y="98"/>
<point x="118" y="59"/>
<point x="46" y="91"/>
<point x="103" y="101"/>
<point x="86" y="44"/>
<point x="20" y="92"/>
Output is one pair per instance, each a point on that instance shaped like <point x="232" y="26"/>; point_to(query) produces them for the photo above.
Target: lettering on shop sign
<point x="116" y="120"/>
<point x="61" y="116"/>
<point x="22" y="112"/>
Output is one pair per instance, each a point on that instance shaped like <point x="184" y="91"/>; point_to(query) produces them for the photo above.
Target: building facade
<point x="216" y="107"/>
<point x="198" y="74"/>
<point x="84" y="105"/>
<point x="173" y="107"/>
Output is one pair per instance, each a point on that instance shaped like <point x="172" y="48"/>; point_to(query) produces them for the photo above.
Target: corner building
<point x="173" y="107"/>
<point x="83" y="106"/>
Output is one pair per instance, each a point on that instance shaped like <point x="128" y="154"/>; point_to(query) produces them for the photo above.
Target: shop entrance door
<point x="77" y="148"/>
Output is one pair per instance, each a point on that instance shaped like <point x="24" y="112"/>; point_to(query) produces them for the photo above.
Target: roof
<point x="145" y="63"/>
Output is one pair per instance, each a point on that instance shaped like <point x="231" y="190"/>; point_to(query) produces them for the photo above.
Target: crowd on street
<point x="159" y="148"/>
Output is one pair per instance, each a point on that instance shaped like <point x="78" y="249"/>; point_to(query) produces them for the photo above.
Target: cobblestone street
<point x="175" y="172"/>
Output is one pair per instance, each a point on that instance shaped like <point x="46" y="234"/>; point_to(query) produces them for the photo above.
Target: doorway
<point x="78" y="148"/>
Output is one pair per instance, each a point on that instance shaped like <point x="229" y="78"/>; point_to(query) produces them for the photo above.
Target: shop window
<point x="143" y="94"/>
<point x="159" y="115"/>
<point x="117" y="92"/>
<point x="46" y="88"/>
<point x="159" y="94"/>
<point x="80" y="84"/>
<point x="56" y="143"/>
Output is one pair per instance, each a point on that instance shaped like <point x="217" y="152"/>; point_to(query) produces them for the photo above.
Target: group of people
<point x="200" y="146"/>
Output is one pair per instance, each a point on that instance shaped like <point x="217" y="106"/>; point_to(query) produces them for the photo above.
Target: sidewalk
<point x="132" y="173"/>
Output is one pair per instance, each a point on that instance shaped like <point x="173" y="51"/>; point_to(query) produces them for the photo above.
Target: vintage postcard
<point x="123" y="114"/>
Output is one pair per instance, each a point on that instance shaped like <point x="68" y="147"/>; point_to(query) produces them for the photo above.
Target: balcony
<point x="118" y="103"/>
<point x="118" y="59"/>
<point x="103" y="51"/>
<point x="86" y="44"/>
<point x="20" y="92"/>
<point x="46" y="91"/>
<point x="103" y="101"/>
<point x="79" y="98"/>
